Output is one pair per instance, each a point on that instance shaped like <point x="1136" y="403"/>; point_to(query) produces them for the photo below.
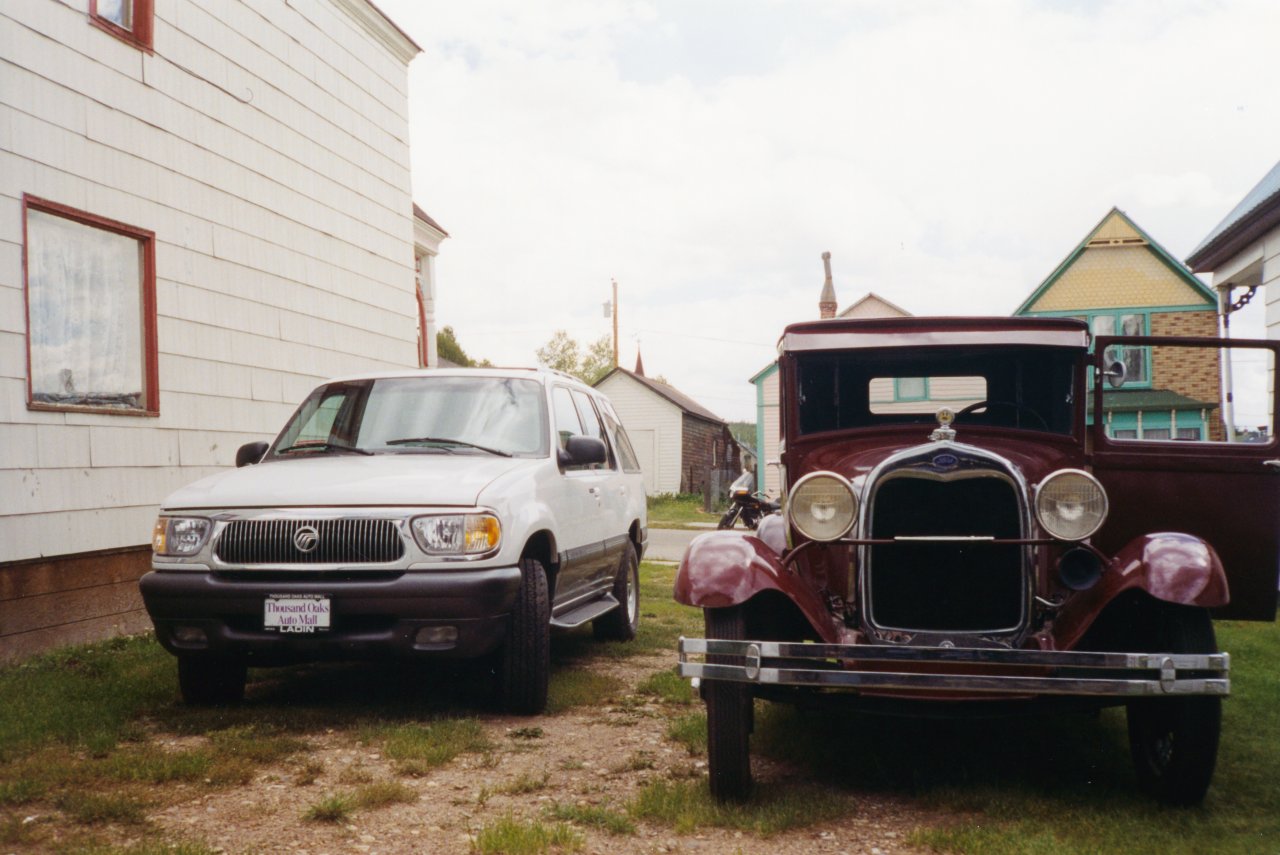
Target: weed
<point x="416" y="748"/>
<point x="511" y="836"/>
<point x="637" y="762"/>
<point x="308" y="772"/>
<point x="576" y="688"/>
<point x="669" y="687"/>
<point x="355" y="775"/>
<point x="334" y="808"/>
<point x="610" y="821"/>
<point x="690" y="730"/>
<point x="687" y="806"/>
<point x="526" y="784"/>
<point x="384" y="793"/>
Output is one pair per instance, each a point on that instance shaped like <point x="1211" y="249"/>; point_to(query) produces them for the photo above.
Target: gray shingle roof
<point x="1266" y="191"/>
<point x="672" y="394"/>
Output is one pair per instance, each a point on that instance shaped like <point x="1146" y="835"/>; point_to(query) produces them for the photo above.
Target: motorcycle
<point x="746" y="504"/>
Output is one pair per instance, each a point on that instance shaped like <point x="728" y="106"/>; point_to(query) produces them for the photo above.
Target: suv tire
<point x="621" y="623"/>
<point x="526" y="653"/>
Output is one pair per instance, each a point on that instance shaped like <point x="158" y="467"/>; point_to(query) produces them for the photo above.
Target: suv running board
<point x="585" y="612"/>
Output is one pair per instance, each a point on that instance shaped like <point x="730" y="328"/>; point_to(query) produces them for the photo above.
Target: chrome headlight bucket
<point x="457" y="535"/>
<point x="180" y="536"/>
<point x="822" y="506"/>
<point x="1071" y="504"/>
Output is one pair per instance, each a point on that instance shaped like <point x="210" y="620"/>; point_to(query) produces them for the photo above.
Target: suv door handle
<point x="595" y="491"/>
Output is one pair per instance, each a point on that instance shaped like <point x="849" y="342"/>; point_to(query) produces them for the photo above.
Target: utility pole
<point x="615" y="322"/>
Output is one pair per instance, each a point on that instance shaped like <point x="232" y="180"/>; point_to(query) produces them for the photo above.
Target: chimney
<point x="827" y="302"/>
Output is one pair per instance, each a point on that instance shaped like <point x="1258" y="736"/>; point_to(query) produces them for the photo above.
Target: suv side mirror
<point x="250" y="453"/>
<point x="583" y="451"/>
<point x="1115" y="374"/>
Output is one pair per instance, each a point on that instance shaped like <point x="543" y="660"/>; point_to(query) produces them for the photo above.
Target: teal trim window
<point x="1137" y="360"/>
<point x="911" y="388"/>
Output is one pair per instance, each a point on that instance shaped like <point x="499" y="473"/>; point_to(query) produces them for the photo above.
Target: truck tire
<point x="729" y="713"/>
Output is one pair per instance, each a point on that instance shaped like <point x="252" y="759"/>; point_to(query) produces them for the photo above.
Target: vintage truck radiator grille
<point x="946" y="586"/>
<point x="321" y="541"/>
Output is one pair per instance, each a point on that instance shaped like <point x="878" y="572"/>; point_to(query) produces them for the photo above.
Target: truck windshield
<point x="447" y="415"/>
<point x="1024" y="388"/>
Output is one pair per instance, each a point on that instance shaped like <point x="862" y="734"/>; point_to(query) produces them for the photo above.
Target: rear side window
<point x="626" y="454"/>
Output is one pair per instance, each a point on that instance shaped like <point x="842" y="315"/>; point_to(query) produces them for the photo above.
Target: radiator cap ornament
<point x="944" y="433"/>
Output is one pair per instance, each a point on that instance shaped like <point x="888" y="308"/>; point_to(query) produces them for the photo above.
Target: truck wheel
<point x="729" y="713"/>
<point x="211" y="680"/>
<point x="1174" y="741"/>
<point x="621" y="623"/>
<point x="526" y="653"/>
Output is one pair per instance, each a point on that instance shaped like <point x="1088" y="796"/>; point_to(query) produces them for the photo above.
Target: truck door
<point x="1162" y="451"/>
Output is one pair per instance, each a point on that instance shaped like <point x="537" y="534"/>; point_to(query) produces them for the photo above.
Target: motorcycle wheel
<point x="729" y="518"/>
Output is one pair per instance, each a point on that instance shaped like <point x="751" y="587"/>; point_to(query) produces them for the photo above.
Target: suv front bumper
<point x="967" y="671"/>
<point x="199" y="611"/>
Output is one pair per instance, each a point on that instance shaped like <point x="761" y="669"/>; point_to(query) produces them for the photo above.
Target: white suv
<point x="447" y="513"/>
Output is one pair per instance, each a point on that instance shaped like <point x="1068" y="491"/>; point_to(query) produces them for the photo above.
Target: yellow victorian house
<point x="1122" y="282"/>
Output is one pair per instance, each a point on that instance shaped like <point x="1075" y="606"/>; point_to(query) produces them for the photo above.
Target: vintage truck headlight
<point x="180" y="536"/>
<point x="457" y="534"/>
<point x="822" y="506"/>
<point x="1071" y="504"/>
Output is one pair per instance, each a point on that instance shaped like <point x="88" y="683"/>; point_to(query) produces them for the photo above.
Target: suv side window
<point x="630" y="463"/>
<point x="591" y="420"/>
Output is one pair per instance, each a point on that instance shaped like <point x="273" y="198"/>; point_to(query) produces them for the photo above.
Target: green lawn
<point x="679" y="510"/>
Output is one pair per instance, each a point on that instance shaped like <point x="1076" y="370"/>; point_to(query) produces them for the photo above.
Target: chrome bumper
<point x="841" y="666"/>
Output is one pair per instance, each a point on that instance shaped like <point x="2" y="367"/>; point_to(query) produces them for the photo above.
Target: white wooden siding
<point x="642" y="409"/>
<point x="265" y="144"/>
<point x="770" y="418"/>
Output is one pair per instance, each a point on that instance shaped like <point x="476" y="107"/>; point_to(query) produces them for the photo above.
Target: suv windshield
<point x="465" y="415"/>
<point x="1030" y="388"/>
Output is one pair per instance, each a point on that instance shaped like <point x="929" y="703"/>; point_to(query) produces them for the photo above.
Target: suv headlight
<point x="180" y="535"/>
<point x="1071" y="504"/>
<point x="457" y="534"/>
<point x="822" y="506"/>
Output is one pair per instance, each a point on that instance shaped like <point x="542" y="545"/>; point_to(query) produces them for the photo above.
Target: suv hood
<point x="387" y="480"/>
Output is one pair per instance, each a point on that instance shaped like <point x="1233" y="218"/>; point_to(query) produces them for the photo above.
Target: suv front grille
<point x="340" y="541"/>
<point x="946" y="586"/>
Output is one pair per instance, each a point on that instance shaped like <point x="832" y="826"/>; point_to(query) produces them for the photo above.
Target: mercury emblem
<point x="306" y="538"/>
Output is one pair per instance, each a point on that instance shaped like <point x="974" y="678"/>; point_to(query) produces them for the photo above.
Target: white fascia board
<point x="375" y="23"/>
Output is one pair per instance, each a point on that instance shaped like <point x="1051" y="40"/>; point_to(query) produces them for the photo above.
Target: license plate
<point x="296" y="613"/>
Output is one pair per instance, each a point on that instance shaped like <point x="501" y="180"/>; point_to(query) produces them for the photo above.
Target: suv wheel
<point x="211" y="680"/>
<point x="729" y="713"/>
<point x="621" y="623"/>
<point x="526" y="654"/>
<point x="1174" y="741"/>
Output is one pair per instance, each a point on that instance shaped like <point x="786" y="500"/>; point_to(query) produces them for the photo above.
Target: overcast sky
<point x="705" y="154"/>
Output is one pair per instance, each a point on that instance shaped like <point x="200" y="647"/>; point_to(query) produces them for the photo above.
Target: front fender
<point x="1170" y="566"/>
<point x="727" y="568"/>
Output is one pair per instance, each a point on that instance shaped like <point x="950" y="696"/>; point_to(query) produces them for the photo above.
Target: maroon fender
<point x="1170" y="566"/>
<point x="727" y="568"/>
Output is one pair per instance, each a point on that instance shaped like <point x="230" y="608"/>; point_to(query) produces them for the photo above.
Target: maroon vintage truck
<point x="972" y="524"/>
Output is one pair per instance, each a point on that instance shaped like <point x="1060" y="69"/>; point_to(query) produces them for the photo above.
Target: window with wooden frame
<point x="128" y="20"/>
<point x="91" y="312"/>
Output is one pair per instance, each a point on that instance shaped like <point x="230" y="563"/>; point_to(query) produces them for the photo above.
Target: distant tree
<point x="744" y="432"/>
<point x="563" y="353"/>
<point x="448" y="348"/>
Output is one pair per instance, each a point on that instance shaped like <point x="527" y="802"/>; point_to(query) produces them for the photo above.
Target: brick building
<point x="1122" y="282"/>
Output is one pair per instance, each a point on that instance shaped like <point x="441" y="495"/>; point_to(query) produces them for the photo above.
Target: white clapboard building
<point x="204" y="209"/>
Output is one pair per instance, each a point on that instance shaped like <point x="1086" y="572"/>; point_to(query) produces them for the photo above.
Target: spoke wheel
<point x="1174" y="741"/>
<point x="729" y="713"/>
<point x="211" y="680"/>
<point x="526" y="653"/>
<point x="621" y="623"/>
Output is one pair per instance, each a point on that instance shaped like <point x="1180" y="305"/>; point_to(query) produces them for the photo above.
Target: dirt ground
<point x="592" y="756"/>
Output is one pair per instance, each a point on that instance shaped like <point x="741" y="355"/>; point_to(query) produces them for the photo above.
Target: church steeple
<point x="827" y="302"/>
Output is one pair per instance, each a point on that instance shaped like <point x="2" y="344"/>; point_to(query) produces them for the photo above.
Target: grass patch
<point x="639" y="761"/>
<point x="525" y="733"/>
<point x="668" y="687"/>
<point x="690" y="730"/>
<point x="687" y="805"/>
<point x="602" y="819"/>
<point x="384" y="794"/>
<point x="572" y="687"/>
<point x="151" y="765"/>
<point x="511" y="836"/>
<point x="333" y="808"/>
<point x="89" y="808"/>
<point x="676" y="510"/>
<point x="417" y="748"/>
<point x="147" y="847"/>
